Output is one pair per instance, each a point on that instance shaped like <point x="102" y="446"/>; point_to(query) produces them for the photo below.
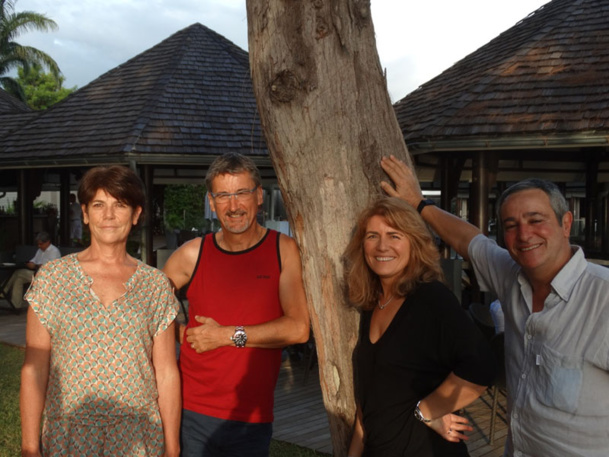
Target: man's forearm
<point x="453" y="230"/>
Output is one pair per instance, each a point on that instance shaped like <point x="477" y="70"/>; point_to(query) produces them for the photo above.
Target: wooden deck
<point x="300" y="417"/>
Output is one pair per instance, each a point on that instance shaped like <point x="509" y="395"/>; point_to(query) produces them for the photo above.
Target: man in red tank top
<point x="246" y="302"/>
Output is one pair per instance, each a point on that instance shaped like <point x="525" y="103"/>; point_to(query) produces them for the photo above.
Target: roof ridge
<point x="234" y="51"/>
<point x="172" y="63"/>
<point x="190" y="94"/>
<point x="225" y="42"/>
<point x="228" y="46"/>
<point x="524" y="47"/>
<point x="540" y="75"/>
<point x="465" y="61"/>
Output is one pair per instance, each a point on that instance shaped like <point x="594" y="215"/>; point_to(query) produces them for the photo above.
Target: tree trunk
<point x="328" y="119"/>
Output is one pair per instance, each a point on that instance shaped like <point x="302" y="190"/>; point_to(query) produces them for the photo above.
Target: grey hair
<point x="232" y="163"/>
<point x="43" y="237"/>
<point x="558" y="202"/>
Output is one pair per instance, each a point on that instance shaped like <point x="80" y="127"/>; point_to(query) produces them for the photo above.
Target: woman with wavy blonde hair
<point x="419" y="357"/>
<point x="424" y="267"/>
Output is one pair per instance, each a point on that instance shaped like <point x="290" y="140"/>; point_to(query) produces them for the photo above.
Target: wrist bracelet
<point x="419" y="415"/>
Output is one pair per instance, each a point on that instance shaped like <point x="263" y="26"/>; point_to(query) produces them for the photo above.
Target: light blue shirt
<point x="557" y="360"/>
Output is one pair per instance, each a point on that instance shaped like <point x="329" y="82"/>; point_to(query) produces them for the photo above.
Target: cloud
<point x="95" y="36"/>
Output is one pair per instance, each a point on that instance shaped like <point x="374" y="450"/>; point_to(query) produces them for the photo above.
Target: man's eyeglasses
<point x="240" y="196"/>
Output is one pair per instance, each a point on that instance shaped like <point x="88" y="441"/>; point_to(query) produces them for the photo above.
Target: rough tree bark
<point x="328" y="119"/>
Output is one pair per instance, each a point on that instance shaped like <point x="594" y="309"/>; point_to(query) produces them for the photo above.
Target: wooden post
<point x="480" y="191"/>
<point x="64" y="209"/>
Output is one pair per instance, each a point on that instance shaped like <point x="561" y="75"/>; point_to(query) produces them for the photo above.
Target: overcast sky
<point x="416" y="39"/>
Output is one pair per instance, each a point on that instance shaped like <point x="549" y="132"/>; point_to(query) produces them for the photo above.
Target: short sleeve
<point x="167" y="305"/>
<point x="41" y="296"/>
<point x="493" y="265"/>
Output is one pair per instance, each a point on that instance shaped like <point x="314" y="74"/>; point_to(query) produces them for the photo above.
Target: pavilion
<point x="533" y="102"/>
<point x="167" y="113"/>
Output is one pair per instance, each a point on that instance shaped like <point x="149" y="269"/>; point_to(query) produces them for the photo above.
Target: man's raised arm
<point x="453" y="230"/>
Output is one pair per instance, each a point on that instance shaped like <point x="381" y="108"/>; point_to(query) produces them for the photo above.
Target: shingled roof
<point x="187" y="97"/>
<point x="13" y="113"/>
<point x="9" y="104"/>
<point x="543" y="82"/>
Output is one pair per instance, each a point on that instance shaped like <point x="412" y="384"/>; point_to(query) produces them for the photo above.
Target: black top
<point x="429" y="337"/>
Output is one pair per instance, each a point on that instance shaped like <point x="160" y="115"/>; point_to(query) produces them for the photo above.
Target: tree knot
<point x="285" y="87"/>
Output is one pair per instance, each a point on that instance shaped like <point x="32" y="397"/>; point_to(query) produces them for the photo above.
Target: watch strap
<point x="425" y="202"/>
<point x="239" y="337"/>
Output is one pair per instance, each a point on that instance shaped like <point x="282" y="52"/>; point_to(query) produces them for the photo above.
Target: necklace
<point x="384" y="305"/>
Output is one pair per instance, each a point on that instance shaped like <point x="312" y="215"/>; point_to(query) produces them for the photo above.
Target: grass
<point x="11" y="359"/>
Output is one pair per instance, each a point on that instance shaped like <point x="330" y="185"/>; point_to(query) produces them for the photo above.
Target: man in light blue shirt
<point x="556" y="307"/>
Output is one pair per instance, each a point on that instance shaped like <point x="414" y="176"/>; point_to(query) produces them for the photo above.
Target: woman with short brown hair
<point x="100" y="343"/>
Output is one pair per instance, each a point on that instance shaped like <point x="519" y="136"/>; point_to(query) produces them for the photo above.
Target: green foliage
<point x="41" y="89"/>
<point x="11" y="208"/>
<point x="13" y="55"/>
<point x="43" y="207"/>
<point x="184" y="206"/>
<point x="11" y="360"/>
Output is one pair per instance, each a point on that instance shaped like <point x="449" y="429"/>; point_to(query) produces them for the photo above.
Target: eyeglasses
<point x="240" y="196"/>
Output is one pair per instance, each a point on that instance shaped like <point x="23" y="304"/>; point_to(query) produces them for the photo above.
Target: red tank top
<point x="234" y="288"/>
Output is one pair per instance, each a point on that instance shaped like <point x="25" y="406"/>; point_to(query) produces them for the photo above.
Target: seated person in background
<point x="419" y="356"/>
<point x="45" y="253"/>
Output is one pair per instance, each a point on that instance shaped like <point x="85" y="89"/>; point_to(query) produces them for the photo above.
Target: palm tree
<point x="12" y="54"/>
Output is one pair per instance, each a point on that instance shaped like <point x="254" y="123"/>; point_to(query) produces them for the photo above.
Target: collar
<point x="564" y="282"/>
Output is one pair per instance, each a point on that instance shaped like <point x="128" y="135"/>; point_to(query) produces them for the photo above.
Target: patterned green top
<point x="101" y="396"/>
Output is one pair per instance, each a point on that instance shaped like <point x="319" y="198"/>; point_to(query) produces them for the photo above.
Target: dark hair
<point x="423" y="266"/>
<point x="232" y="163"/>
<point x="119" y="181"/>
<point x="43" y="237"/>
<point x="557" y="199"/>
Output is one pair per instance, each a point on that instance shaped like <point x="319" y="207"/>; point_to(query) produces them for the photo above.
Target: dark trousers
<point x="206" y="436"/>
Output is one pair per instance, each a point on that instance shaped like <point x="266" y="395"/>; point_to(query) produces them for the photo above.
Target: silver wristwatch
<point x="419" y="415"/>
<point x="239" y="337"/>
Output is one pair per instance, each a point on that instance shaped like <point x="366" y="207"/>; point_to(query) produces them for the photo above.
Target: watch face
<point x="239" y="338"/>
